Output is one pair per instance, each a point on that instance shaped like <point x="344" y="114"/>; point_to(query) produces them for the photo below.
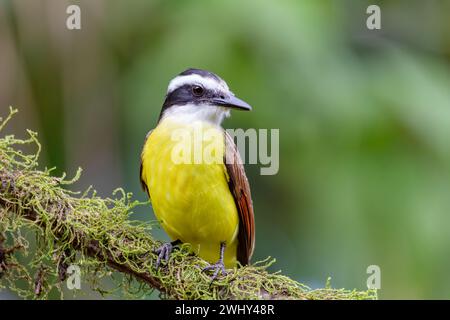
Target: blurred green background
<point x="364" y="117"/>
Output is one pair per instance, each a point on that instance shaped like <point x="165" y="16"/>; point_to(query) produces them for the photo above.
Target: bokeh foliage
<point x="364" y="117"/>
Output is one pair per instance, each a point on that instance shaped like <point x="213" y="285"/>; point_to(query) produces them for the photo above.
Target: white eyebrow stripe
<point x="207" y="83"/>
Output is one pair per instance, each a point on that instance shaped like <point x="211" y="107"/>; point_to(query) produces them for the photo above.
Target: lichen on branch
<point x="45" y="227"/>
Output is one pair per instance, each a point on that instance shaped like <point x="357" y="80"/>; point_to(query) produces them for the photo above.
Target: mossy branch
<point x="98" y="235"/>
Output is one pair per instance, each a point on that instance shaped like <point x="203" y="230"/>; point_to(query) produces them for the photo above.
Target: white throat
<point x="191" y="113"/>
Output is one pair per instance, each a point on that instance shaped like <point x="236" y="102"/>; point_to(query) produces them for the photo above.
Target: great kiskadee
<point x="204" y="203"/>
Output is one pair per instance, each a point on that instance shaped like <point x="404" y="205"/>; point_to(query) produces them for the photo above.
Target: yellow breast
<point x="187" y="182"/>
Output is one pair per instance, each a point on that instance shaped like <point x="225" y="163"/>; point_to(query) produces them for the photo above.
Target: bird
<point x="207" y="204"/>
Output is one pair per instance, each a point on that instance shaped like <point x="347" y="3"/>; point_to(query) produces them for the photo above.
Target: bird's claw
<point x="163" y="253"/>
<point x="219" y="266"/>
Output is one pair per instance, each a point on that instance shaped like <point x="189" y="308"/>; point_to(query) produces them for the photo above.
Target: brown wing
<point x="240" y="189"/>
<point x="143" y="185"/>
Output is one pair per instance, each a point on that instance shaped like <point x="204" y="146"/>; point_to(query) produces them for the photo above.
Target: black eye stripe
<point x="184" y="95"/>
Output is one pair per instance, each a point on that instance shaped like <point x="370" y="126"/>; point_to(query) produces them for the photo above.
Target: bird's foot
<point x="218" y="266"/>
<point x="163" y="253"/>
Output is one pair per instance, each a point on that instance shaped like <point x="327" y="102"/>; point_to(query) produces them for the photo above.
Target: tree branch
<point x="98" y="234"/>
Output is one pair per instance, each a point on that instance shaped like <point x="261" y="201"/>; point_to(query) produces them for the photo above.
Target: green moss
<point x="98" y="235"/>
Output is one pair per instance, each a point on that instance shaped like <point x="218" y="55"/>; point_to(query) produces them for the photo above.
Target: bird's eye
<point x="197" y="91"/>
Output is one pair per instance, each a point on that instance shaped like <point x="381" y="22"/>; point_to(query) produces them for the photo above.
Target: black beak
<point x="232" y="102"/>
